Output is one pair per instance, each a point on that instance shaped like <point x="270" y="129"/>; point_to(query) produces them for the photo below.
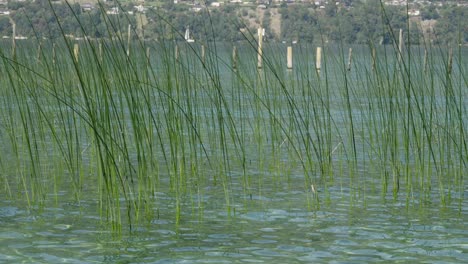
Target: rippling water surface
<point x="273" y="223"/>
<point x="273" y="228"/>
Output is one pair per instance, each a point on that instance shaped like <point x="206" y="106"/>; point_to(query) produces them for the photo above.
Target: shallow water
<point x="272" y="218"/>
<point x="270" y="228"/>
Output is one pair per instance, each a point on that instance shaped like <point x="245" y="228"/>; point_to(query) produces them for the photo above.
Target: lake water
<point x="264" y="212"/>
<point x="271" y="228"/>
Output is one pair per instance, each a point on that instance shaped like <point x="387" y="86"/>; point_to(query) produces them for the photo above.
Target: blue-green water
<point x="262" y="210"/>
<point x="273" y="228"/>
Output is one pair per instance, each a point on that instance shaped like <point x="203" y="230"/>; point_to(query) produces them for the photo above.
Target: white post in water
<point x="13" y="41"/>
<point x="318" y="63"/>
<point x="425" y="60"/>
<point x="260" y="52"/>
<point x="373" y="59"/>
<point x="148" y="62"/>
<point x="100" y="51"/>
<point x="76" y="49"/>
<point x="176" y="53"/>
<point x="148" y="55"/>
<point x="53" y="53"/>
<point x="350" y="54"/>
<point x="129" y="35"/>
<point x="203" y="53"/>
<point x="400" y="45"/>
<point x="39" y="48"/>
<point x="234" y="57"/>
<point x="450" y="61"/>
<point x="289" y="58"/>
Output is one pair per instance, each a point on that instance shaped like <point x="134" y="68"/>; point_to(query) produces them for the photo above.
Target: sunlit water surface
<point x="274" y="227"/>
<point x="271" y="223"/>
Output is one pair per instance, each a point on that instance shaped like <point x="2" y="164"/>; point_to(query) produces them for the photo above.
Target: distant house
<point x="86" y="7"/>
<point x="141" y="9"/>
<point x="197" y="8"/>
<point x="113" y="11"/>
<point x="396" y="2"/>
<point x="414" y="12"/>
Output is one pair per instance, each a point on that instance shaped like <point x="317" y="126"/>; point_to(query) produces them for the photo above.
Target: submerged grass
<point x="122" y="124"/>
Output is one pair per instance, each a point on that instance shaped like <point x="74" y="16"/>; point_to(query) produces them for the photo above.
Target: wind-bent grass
<point x="125" y="128"/>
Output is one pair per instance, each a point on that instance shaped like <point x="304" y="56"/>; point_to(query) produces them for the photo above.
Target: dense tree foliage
<point x="206" y="25"/>
<point x="360" y="22"/>
<point x="42" y="19"/>
<point x="298" y="23"/>
<point x="365" y="22"/>
<point x="452" y="26"/>
<point x="429" y="12"/>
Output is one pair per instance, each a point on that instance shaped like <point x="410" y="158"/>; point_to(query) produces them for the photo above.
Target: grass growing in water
<point x="150" y="123"/>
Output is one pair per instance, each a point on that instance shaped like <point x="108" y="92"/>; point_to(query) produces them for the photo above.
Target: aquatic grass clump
<point x="129" y="122"/>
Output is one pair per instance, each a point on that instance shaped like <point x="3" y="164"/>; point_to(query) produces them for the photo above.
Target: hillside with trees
<point x="352" y="22"/>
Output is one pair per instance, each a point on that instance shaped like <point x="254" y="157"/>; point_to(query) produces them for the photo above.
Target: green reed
<point x="122" y="127"/>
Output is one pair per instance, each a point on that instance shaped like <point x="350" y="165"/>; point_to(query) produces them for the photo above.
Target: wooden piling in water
<point x="129" y="35"/>
<point x="318" y="62"/>
<point x="203" y="53"/>
<point x="100" y="51"/>
<point x="148" y="63"/>
<point x="234" y="57"/>
<point x="260" y="51"/>
<point x="39" y="48"/>
<point x="425" y="60"/>
<point x="53" y="53"/>
<point x="176" y="52"/>
<point x="13" y="42"/>
<point x="373" y="59"/>
<point x="400" y="45"/>
<point x="450" y="61"/>
<point x="289" y="58"/>
<point x="76" y="50"/>
<point x="350" y="54"/>
<point x="148" y="55"/>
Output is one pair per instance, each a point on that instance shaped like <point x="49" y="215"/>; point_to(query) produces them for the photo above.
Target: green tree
<point x="5" y="26"/>
<point x="298" y="23"/>
<point x="452" y="27"/>
<point x="429" y="12"/>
